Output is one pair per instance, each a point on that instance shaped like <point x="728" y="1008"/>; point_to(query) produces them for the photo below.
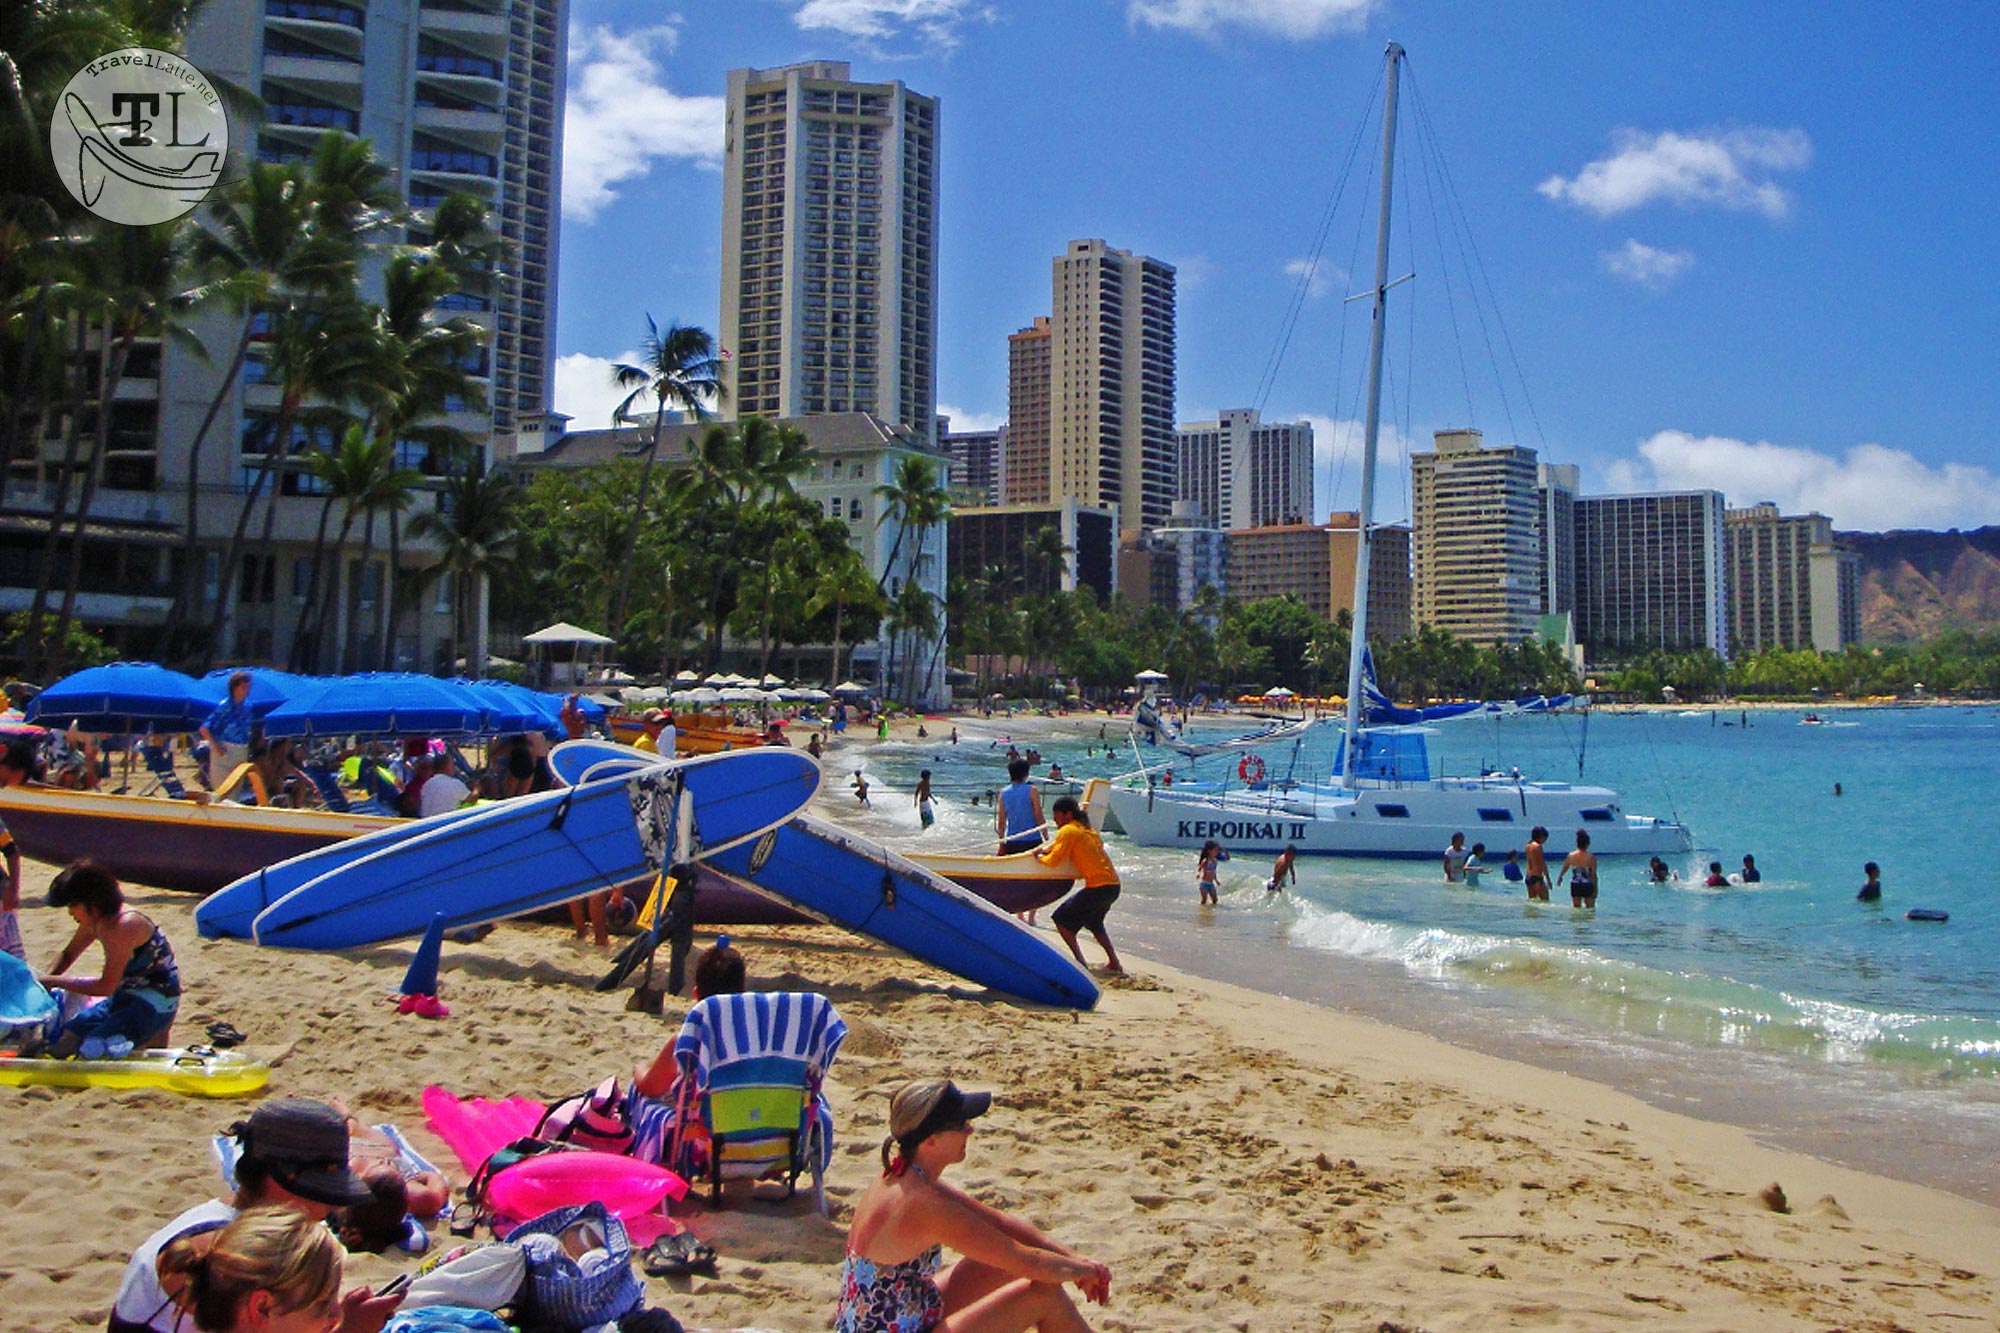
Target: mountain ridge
<point x="1917" y="584"/>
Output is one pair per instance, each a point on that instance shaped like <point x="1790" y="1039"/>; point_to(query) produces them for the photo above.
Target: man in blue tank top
<point x="1017" y="817"/>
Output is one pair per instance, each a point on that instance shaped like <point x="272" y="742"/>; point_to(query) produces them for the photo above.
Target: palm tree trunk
<point x="305" y="637"/>
<point x="617" y="617"/>
<point x="388" y="645"/>
<point x="360" y="585"/>
<point x="335" y="594"/>
<point x="834" y="679"/>
<point x="72" y="445"/>
<point x="187" y="598"/>
<point x="112" y="371"/>
<point x="233" y="556"/>
<point x="25" y="392"/>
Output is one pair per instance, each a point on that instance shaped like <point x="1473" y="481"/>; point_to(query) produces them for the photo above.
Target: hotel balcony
<point x="481" y="125"/>
<point x="466" y="20"/>
<point x="323" y="13"/>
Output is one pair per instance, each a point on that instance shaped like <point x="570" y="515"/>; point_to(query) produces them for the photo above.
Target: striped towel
<point x="786" y="1025"/>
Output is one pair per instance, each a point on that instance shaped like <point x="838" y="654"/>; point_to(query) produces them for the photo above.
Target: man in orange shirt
<point x="1080" y="847"/>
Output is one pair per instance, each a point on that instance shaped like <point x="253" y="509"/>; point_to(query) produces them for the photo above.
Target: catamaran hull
<point x="1396" y="822"/>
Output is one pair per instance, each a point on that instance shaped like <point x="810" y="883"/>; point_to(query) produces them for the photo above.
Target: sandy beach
<point x="1240" y="1161"/>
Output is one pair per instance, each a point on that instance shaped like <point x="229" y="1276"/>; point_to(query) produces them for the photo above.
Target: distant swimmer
<point x="926" y="808"/>
<point x="1716" y="879"/>
<point x="861" y="788"/>
<point x="1474" y="866"/>
<point x="1286" y="871"/>
<point x="1836" y="789"/>
<point x="1510" y="869"/>
<point x="1454" y="859"/>
<point x="1871" y="892"/>
<point x="1538" y="865"/>
<point x="1750" y="875"/>
<point x="1206" y="870"/>
<point x="1580" y="868"/>
<point x="1660" y="871"/>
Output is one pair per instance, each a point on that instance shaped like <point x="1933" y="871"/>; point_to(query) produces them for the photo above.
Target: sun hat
<point x="653" y="715"/>
<point x="921" y="1109"/>
<point x="302" y="1145"/>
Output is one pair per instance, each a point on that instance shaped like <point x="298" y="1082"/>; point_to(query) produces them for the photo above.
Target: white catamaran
<point x="1383" y="800"/>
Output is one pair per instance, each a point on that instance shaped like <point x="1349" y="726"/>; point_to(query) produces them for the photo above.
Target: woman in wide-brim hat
<point x="1010" y="1276"/>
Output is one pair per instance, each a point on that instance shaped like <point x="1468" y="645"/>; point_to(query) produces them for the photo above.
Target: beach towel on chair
<point x="408" y="1161"/>
<point x="749" y="1101"/>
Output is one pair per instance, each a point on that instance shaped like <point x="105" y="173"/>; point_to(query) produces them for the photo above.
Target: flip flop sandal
<point x="224" y="1035"/>
<point x="677" y="1254"/>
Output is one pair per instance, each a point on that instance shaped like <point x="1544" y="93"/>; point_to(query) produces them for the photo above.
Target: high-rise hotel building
<point x="829" y="247"/>
<point x="1024" y="464"/>
<point x="1246" y="472"/>
<point x="1791" y="585"/>
<point x="1650" y="573"/>
<point x="1477" y="540"/>
<point x="460" y="96"/>
<point x="1112" y="441"/>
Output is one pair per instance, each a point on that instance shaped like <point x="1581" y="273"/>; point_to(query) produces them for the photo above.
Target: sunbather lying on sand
<point x="1011" y="1277"/>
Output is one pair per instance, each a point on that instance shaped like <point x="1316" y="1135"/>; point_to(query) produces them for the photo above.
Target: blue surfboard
<point x="528" y="853"/>
<point x="582" y="760"/>
<point x="846" y="880"/>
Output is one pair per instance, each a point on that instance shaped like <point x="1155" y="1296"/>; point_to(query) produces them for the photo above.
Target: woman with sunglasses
<point x="1010" y="1277"/>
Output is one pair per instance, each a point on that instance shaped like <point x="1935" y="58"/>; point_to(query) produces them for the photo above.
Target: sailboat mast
<point x="1363" y="535"/>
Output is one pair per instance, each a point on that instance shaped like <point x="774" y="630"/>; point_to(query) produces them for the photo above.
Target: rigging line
<point x="1666" y="784"/>
<point x="1337" y="461"/>
<point x="1479" y="266"/>
<point x="1425" y="154"/>
<point x="1461" y="230"/>
<point x="1302" y="290"/>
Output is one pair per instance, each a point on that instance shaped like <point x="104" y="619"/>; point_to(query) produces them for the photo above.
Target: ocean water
<point x="1790" y="1008"/>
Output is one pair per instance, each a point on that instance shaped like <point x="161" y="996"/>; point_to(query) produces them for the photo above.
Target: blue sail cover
<point x="1378" y="708"/>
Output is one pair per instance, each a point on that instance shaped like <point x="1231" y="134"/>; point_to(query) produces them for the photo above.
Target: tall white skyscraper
<point x="1112" y="441"/>
<point x="1650" y="573"/>
<point x="829" y="247"/>
<point x="1246" y="472"/>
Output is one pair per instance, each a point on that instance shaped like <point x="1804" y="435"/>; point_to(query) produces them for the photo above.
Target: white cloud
<point x="1869" y="488"/>
<point x="1319" y="276"/>
<point x="584" y="390"/>
<point x="1651" y="268"/>
<point x="1293" y="20"/>
<point x="621" y="116"/>
<point x="932" y="23"/>
<point x="1728" y="169"/>
<point x="963" y="420"/>
<point x="1193" y="273"/>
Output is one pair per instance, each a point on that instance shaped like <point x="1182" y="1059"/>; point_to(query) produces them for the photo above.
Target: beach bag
<point x="599" y="1119"/>
<point x="579" y="1269"/>
<point x="482" y="1277"/>
<point x="520" y="1150"/>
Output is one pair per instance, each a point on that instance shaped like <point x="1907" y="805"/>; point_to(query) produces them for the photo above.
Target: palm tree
<point x="917" y="501"/>
<point x="344" y="473"/>
<point x="843" y="582"/>
<point x="129" y="275"/>
<point x="388" y="488"/>
<point x="677" y="368"/>
<point x="475" y="530"/>
<point x="1046" y="551"/>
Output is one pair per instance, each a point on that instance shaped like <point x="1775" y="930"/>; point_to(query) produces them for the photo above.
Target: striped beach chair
<point x="749" y="1104"/>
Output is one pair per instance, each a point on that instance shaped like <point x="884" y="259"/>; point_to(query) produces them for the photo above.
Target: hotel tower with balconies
<point x="829" y="247"/>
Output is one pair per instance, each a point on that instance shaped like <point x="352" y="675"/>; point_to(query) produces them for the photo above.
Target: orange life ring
<point x="1250" y="768"/>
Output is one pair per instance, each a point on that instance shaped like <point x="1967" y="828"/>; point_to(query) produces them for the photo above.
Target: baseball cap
<point x="302" y="1145"/>
<point x="921" y="1109"/>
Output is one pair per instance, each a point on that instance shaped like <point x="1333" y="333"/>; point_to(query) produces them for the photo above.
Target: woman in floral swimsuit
<point x="1011" y="1277"/>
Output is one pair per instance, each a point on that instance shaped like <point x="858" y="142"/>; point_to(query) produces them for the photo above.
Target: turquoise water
<point x="1785" y="1006"/>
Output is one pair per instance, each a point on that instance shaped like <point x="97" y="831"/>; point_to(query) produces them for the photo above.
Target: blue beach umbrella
<point x="382" y="703"/>
<point x="513" y="707"/>
<point x="269" y="687"/>
<point x="121" y="697"/>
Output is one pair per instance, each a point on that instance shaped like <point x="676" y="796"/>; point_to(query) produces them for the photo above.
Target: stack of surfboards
<point x="738" y="814"/>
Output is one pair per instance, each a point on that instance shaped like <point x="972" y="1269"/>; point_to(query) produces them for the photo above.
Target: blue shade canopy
<point x="268" y="687"/>
<point x="379" y="703"/>
<point x="511" y="707"/>
<point x="122" y="697"/>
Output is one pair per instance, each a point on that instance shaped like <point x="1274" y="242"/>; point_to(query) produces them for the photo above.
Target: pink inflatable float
<point x="625" y="1186"/>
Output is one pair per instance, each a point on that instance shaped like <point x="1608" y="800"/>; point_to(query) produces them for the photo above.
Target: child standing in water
<point x="926" y="809"/>
<point x="1206" y="869"/>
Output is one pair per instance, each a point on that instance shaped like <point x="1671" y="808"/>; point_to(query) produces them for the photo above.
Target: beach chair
<point x="749" y="1105"/>
<point x="328" y="787"/>
<point x="160" y="763"/>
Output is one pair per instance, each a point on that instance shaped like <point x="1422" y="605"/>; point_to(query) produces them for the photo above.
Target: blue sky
<point x="1754" y="249"/>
